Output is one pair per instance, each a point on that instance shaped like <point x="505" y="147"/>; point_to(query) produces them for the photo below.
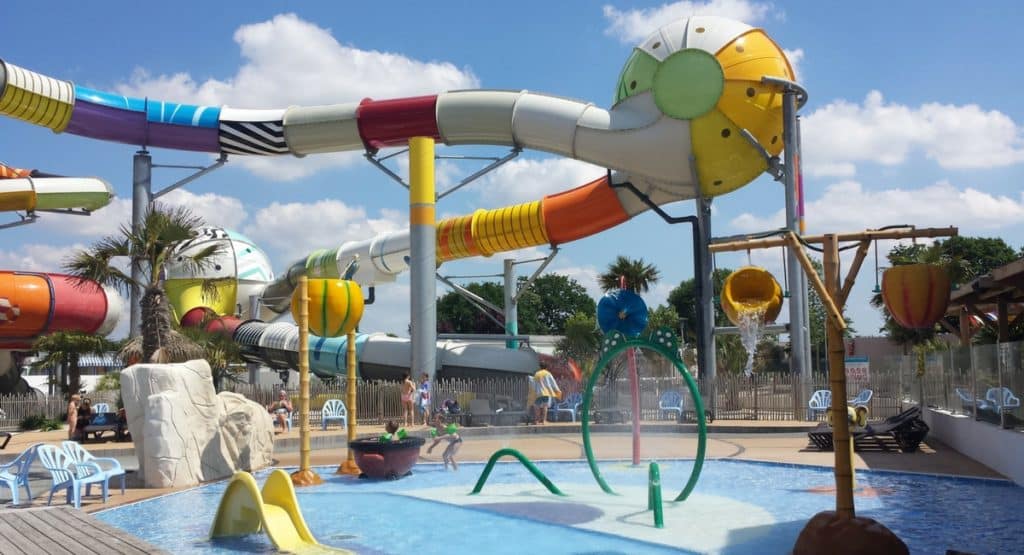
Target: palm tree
<point x="150" y="249"/>
<point x="218" y="350"/>
<point x="639" y="275"/>
<point x="66" y="348"/>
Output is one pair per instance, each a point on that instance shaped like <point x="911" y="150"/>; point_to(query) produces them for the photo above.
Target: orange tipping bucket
<point x="751" y="289"/>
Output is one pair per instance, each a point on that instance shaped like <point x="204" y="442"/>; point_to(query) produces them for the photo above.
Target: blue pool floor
<point x="737" y="507"/>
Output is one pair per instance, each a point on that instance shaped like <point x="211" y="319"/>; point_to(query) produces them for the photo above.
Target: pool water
<point x="738" y="507"/>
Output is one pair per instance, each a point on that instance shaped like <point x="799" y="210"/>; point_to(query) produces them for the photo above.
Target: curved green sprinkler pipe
<point x="663" y="342"/>
<point x="508" y="451"/>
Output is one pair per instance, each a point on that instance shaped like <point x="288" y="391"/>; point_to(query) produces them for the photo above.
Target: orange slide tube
<point x="32" y="304"/>
<point x="557" y="219"/>
<point x="582" y="212"/>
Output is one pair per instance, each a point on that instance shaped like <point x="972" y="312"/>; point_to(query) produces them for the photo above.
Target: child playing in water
<point x="446" y="432"/>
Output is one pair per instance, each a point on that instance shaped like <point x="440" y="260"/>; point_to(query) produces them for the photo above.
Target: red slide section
<point x="32" y="304"/>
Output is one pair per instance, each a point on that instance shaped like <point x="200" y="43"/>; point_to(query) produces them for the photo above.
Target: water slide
<point x="245" y="510"/>
<point x="31" y="190"/>
<point x="691" y="117"/>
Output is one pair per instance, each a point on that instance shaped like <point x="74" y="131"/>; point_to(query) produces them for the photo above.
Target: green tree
<point x="683" y="298"/>
<point x="664" y="316"/>
<point x="220" y="351"/>
<point x="639" y="275"/>
<point x="66" y="348"/>
<point x="581" y="341"/>
<point x="543" y="309"/>
<point x="150" y="249"/>
<point x="456" y="314"/>
<point x="550" y="301"/>
<point x="964" y="259"/>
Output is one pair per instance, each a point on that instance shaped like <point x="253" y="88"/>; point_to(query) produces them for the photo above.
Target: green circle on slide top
<point x="688" y="84"/>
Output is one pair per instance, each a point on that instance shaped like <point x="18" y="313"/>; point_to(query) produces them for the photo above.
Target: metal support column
<point x="422" y="257"/>
<point x="253" y="367"/>
<point x="799" y="332"/>
<point x="511" y="304"/>
<point x="142" y="199"/>
<point x="705" y="290"/>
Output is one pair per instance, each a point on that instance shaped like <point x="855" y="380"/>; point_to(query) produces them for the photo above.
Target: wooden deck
<point x="63" y="530"/>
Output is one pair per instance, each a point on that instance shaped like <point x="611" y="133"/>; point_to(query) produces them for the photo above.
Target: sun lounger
<point x="906" y="429"/>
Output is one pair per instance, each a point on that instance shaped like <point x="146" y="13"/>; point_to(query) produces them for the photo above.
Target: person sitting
<point x="84" y="418"/>
<point x="281" y="409"/>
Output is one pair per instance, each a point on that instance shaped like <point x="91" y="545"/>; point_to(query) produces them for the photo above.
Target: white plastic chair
<point x="821" y="401"/>
<point x="14" y="474"/>
<point x="79" y="454"/>
<point x="671" y="401"/>
<point x="862" y="399"/>
<point x="1002" y="398"/>
<point x="70" y="476"/>
<point x="333" y="409"/>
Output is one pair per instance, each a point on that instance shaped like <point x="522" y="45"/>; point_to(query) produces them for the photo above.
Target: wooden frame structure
<point x="833" y="295"/>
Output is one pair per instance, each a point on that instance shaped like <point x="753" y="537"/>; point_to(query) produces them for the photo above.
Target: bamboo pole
<point x="868" y="235"/>
<point x="837" y="381"/>
<point x="851" y="276"/>
<point x="834" y="313"/>
<point x="350" y="466"/>
<point x="304" y="476"/>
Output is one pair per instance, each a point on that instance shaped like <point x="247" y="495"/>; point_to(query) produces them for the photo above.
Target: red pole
<point x="634" y="391"/>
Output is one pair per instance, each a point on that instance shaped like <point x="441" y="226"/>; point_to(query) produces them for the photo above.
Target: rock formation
<point x="184" y="432"/>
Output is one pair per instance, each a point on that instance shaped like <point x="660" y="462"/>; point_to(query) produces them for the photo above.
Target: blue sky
<point x="914" y="118"/>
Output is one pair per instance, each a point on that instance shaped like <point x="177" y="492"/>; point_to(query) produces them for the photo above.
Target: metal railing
<point x="984" y="381"/>
<point x="766" y="397"/>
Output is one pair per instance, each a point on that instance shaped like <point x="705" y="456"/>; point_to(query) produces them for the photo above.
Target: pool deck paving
<point x="781" y="442"/>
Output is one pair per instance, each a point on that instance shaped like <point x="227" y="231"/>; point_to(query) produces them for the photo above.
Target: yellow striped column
<point x="422" y="257"/>
<point x="304" y="476"/>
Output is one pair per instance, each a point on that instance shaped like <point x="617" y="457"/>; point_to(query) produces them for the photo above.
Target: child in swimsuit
<point x="450" y="433"/>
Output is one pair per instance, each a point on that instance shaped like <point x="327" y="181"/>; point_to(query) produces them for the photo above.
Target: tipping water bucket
<point x="751" y="289"/>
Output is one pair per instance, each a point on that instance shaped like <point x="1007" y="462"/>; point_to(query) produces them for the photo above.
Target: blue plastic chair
<point x="570" y="404"/>
<point x="671" y="401"/>
<point x="1002" y="398"/>
<point x="69" y="476"/>
<point x="14" y="474"/>
<point x="821" y="401"/>
<point x="334" y="409"/>
<point x="968" y="402"/>
<point x="79" y="454"/>
<point x="100" y="408"/>
<point x="861" y="400"/>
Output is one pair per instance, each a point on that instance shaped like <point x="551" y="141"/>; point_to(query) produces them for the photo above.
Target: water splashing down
<point x="751" y="322"/>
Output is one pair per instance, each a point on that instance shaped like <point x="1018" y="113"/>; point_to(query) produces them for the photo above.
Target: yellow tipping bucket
<point x="751" y="289"/>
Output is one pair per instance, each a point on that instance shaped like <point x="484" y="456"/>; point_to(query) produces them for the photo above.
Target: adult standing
<point x="424" y="398"/>
<point x="546" y="389"/>
<point x="73" y="415"/>
<point x="408" y="393"/>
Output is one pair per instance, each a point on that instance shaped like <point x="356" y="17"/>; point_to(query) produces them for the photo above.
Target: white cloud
<point x="796" y="57"/>
<point x="633" y="26"/>
<point x="214" y="209"/>
<point x="35" y="257"/>
<point x="296" y="228"/>
<point x="841" y="134"/>
<point x="847" y="205"/>
<point x="526" y="180"/>
<point x="288" y="61"/>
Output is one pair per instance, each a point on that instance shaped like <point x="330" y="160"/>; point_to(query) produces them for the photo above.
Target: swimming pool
<point x="738" y="507"/>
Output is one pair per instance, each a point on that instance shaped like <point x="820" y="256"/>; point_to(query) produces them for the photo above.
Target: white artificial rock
<point x="184" y="433"/>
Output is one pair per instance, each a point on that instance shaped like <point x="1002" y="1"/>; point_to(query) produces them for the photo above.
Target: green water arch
<point x="662" y="341"/>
